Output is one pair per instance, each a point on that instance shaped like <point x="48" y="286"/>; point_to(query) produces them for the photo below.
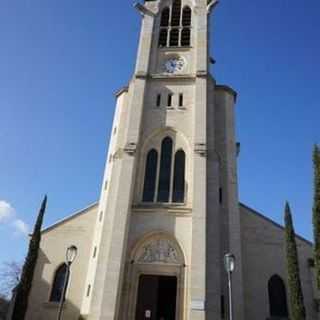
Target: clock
<point x="174" y="65"/>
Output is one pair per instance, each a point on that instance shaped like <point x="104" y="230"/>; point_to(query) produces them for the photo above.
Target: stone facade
<point x="78" y="230"/>
<point x="124" y="237"/>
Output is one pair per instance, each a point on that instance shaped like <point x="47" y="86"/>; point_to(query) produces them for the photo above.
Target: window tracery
<point x="175" y="26"/>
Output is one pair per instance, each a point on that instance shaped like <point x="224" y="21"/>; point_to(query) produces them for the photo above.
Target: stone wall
<point x="76" y="230"/>
<point x="264" y="255"/>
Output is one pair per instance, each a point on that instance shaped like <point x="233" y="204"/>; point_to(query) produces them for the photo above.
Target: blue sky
<point x="61" y="62"/>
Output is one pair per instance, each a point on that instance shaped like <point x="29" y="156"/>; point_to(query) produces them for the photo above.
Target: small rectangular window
<point x="158" y="100"/>
<point x="220" y="195"/>
<point x="222" y="307"/>
<point x="180" y="100"/>
<point x="101" y="216"/>
<point x="169" y="100"/>
<point x="94" y="252"/>
<point x="88" y="290"/>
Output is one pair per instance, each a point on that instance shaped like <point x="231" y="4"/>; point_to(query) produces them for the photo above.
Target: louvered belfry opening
<point x="175" y="26"/>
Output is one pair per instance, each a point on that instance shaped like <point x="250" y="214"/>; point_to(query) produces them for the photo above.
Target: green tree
<point x="24" y="286"/>
<point x="316" y="211"/>
<point x="296" y="296"/>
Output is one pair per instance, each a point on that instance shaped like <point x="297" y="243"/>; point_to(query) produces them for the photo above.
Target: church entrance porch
<point x="154" y="287"/>
<point x="157" y="298"/>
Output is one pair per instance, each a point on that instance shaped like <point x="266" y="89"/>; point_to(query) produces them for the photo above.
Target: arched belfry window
<point x="165" y="170"/>
<point x="165" y="15"/>
<point x="277" y="297"/>
<point x="150" y="176"/>
<point x="179" y="177"/>
<point x="176" y="13"/>
<point x="186" y="16"/>
<point x="175" y="25"/>
<point x="174" y="37"/>
<point x="58" y="283"/>
<point x="185" y="37"/>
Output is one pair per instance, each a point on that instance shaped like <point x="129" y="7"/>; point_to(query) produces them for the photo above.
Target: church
<point x="153" y="245"/>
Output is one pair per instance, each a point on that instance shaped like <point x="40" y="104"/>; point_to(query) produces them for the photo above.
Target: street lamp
<point x="71" y="254"/>
<point x="229" y="264"/>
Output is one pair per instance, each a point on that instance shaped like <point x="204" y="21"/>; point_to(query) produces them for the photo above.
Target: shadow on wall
<point x="40" y="307"/>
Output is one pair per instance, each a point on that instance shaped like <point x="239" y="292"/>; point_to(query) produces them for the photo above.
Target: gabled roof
<point x="70" y="217"/>
<point x="272" y="222"/>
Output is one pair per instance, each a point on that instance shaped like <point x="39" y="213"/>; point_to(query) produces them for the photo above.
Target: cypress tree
<point x="296" y="296"/>
<point x="24" y="286"/>
<point x="316" y="212"/>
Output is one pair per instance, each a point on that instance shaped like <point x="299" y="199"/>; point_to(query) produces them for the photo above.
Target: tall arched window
<point x="277" y="297"/>
<point x="179" y="177"/>
<point x="58" y="283"/>
<point x="165" y="170"/>
<point x="150" y="176"/>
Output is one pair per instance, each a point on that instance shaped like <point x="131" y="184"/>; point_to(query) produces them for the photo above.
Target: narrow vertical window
<point x="94" y="252"/>
<point x="58" y="284"/>
<point x="88" y="290"/>
<point x="176" y="13"/>
<point x="277" y="297"/>
<point x="165" y="170"/>
<point x="186" y="16"/>
<point x="174" y="37"/>
<point x="158" y="100"/>
<point x="169" y="102"/>
<point x="150" y="176"/>
<point x="185" y="37"/>
<point x="220" y="195"/>
<point x="165" y="17"/>
<point x="179" y="177"/>
<point x="180" y="100"/>
<point x="163" y="37"/>
<point x="222" y="307"/>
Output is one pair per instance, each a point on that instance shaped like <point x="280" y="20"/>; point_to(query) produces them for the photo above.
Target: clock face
<point x="174" y="65"/>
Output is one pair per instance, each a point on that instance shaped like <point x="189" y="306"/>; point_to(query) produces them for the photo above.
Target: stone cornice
<point x="227" y="89"/>
<point x="161" y="209"/>
<point x="121" y="91"/>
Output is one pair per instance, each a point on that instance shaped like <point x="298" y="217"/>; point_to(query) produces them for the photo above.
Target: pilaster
<point x="199" y="213"/>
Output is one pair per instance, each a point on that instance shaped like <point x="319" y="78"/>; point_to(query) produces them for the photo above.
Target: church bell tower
<point x="168" y="210"/>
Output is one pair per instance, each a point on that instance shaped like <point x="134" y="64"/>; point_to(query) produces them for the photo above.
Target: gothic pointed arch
<point x="165" y="15"/>
<point x="277" y="297"/>
<point x="176" y="13"/>
<point x="158" y="248"/>
<point x="58" y="283"/>
<point x="186" y="16"/>
<point x="150" y="176"/>
<point x="179" y="177"/>
<point x="165" y="170"/>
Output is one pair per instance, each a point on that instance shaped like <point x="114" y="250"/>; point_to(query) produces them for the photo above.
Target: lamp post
<point x="229" y="264"/>
<point x="71" y="254"/>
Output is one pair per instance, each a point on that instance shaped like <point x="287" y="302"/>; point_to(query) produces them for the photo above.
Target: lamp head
<point x="71" y="254"/>
<point x="229" y="262"/>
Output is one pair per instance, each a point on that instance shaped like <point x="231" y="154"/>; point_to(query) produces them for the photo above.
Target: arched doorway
<point x="277" y="297"/>
<point x="156" y="279"/>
